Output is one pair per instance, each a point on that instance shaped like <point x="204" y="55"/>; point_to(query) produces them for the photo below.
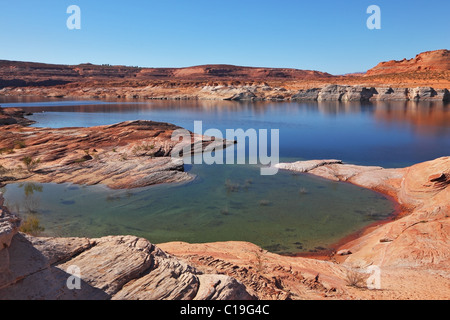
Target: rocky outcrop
<point x="306" y="166"/>
<point x="126" y="155"/>
<point x="308" y="94"/>
<point x="360" y="93"/>
<point x="23" y="74"/>
<point x="227" y="82"/>
<point x="392" y="94"/>
<point x="270" y="276"/>
<point x="438" y="60"/>
<point x="243" y="96"/>
<point x="428" y="94"/>
<point x="118" y="268"/>
<point x="10" y="116"/>
<point x="236" y="92"/>
<point x="253" y="92"/>
<point x="332" y="93"/>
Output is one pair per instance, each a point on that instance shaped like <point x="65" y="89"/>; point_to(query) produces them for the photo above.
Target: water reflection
<point x="431" y="118"/>
<point x="427" y="117"/>
<point x="28" y="207"/>
<point x="30" y="202"/>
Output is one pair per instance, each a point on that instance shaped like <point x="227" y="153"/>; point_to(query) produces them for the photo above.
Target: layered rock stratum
<point x="435" y="61"/>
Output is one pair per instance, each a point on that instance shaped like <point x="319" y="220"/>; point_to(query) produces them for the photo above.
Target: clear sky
<point x="319" y="35"/>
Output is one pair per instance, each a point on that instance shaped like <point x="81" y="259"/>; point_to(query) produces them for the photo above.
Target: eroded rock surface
<point x="437" y="60"/>
<point x="9" y="224"/>
<point x="10" y="116"/>
<point x="125" y="155"/>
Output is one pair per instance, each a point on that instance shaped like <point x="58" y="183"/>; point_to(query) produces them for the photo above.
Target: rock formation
<point x="22" y="74"/>
<point x="10" y="116"/>
<point x="411" y="250"/>
<point x="438" y="60"/>
<point x="126" y="155"/>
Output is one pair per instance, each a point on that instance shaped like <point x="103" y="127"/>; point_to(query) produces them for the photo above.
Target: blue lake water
<point x="285" y="213"/>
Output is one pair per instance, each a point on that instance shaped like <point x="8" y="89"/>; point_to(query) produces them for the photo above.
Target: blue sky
<point x="319" y="35"/>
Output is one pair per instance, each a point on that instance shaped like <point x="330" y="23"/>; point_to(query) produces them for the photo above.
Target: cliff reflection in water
<point x="425" y="117"/>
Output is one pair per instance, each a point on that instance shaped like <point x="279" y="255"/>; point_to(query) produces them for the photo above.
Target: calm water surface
<point x="285" y="213"/>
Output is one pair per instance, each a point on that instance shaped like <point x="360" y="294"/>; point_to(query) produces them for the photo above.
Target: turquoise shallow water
<point x="286" y="213"/>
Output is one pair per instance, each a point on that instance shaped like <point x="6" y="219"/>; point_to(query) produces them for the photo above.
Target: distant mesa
<point x="438" y="60"/>
<point x="34" y="71"/>
<point x="13" y="72"/>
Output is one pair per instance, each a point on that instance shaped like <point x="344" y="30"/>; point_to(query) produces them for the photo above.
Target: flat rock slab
<point x="119" y="268"/>
<point x="306" y="166"/>
<point x="126" y="155"/>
